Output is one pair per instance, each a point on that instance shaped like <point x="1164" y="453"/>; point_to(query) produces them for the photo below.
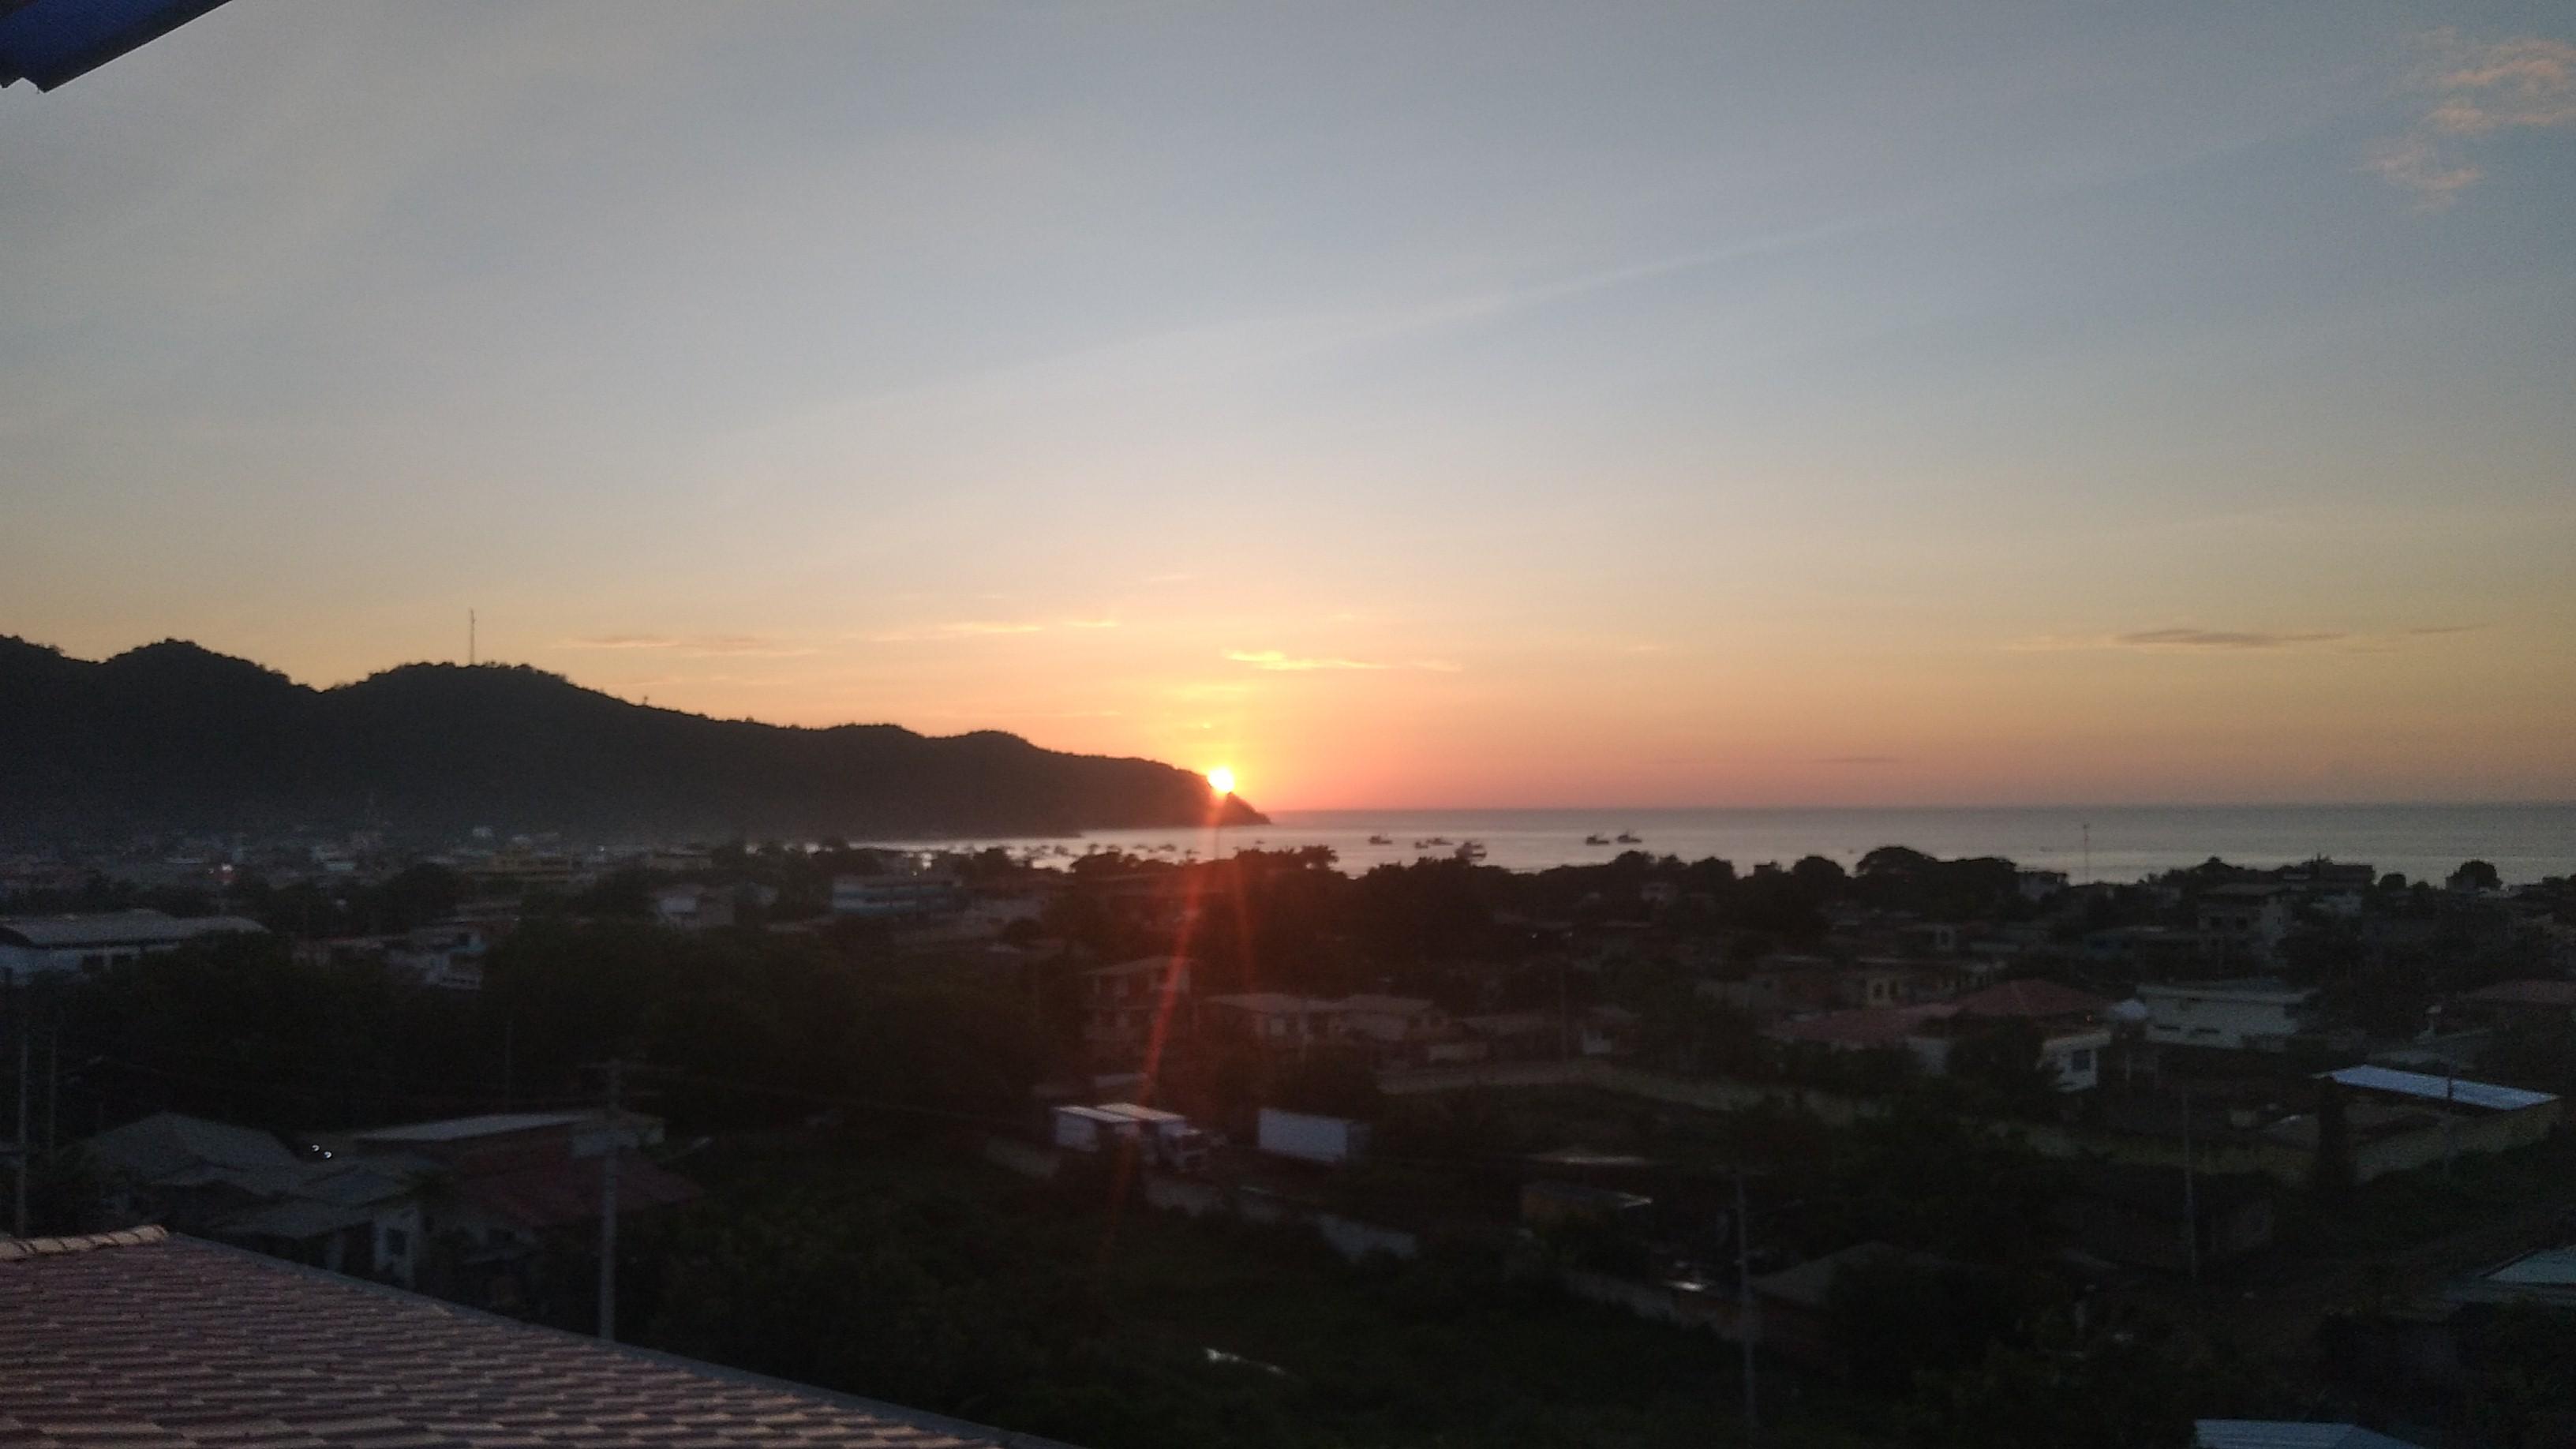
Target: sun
<point x="1221" y="780"/>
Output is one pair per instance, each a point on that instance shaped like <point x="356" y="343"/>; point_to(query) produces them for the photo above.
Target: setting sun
<point x="1221" y="780"/>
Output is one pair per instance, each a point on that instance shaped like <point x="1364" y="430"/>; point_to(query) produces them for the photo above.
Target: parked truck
<point x="1310" y="1138"/>
<point x="1170" y="1141"/>
<point x="1089" y="1129"/>
<point x="1161" y="1139"/>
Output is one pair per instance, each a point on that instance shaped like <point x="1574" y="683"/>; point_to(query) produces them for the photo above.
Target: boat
<point x="1625" y="838"/>
<point x="1380" y="840"/>
<point x="1471" y="851"/>
<point x="1439" y="840"/>
<point x="1596" y="839"/>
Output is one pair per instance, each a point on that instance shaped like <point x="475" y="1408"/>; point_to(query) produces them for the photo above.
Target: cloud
<point x="2220" y="639"/>
<point x="696" y="646"/>
<point x="2477" y="91"/>
<point x="1278" y="662"/>
<point x="985" y="629"/>
<point x="1272" y="659"/>
<point x="2183" y="638"/>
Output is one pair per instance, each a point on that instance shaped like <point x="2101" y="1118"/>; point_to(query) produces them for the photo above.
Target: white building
<point x="33" y="944"/>
<point x="2255" y="1014"/>
<point x="897" y="895"/>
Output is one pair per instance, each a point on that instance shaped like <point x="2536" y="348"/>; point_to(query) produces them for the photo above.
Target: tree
<point x="2476" y="875"/>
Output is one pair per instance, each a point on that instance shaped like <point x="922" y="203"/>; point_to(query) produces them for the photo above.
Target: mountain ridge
<point x="175" y="735"/>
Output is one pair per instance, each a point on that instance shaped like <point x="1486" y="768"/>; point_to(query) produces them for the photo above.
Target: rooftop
<point x="114" y="928"/>
<point x="2287" y="1434"/>
<point x="146" y="1338"/>
<point x="462" y="1129"/>
<point x="2527" y="993"/>
<point x="2433" y="1088"/>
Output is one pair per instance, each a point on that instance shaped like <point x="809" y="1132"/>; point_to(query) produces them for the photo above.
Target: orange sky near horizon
<point x="1665" y="406"/>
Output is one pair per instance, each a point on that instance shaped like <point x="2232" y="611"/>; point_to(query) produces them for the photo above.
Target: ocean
<point x="2524" y="842"/>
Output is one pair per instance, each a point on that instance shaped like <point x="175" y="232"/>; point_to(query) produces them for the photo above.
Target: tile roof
<point x="142" y="1338"/>
<point x="2030" y="999"/>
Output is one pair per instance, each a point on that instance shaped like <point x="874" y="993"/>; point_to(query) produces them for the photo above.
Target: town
<point x="1611" y="1153"/>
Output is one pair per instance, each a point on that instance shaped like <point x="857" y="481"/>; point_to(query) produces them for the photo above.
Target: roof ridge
<point x="13" y="1250"/>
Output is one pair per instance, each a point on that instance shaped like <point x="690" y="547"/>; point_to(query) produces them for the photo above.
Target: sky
<point x="1478" y="404"/>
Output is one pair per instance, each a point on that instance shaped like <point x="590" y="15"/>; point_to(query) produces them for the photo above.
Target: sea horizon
<point x="2524" y="841"/>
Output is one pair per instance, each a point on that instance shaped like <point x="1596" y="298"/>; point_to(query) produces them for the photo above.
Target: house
<point x="924" y="893"/>
<point x="160" y="1339"/>
<point x="2253" y="1014"/>
<point x="1124" y="1005"/>
<point x="2072" y="1037"/>
<point x="242" y="1185"/>
<point x="2531" y="1004"/>
<point x="2287" y="1434"/>
<point x="37" y="944"/>
<point x="507" y="1182"/>
<point x="1272" y="1019"/>
<point x="2542" y="1279"/>
<point x="2038" y="885"/>
<point x="2243" y="922"/>
<point x="445" y="954"/>
<point x="2146" y="950"/>
<point x="691" y="907"/>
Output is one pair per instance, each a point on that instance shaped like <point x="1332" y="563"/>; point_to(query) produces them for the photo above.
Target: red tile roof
<point x="142" y="1339"/>
<point x="2033" y="1000"/>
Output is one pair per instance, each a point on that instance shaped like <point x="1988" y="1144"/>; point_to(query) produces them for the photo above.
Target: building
<point x="151" y="1338"/>
<point x="243" y="1186"/>
<point x="2254" y="1014"/>
<point x="2532" y="1004"/>
<point x="927" y="893"/>
<point x="36" y="944"/>
<point x="1273" y="1019"/>
<point x="2243" y="923"/>
<point x="692" y="907"/>
<point x="445" y="954"/>
<point x="1122" y="1004"/>
<point x="2287" y="1434"/>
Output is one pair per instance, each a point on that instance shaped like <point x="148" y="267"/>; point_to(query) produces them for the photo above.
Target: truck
<point x="1170" y="1141"/>
<point x="1089" y="1129"/>
<point x="1310" y="1138"/>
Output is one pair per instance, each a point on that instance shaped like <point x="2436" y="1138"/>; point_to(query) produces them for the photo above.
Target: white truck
<point x="1089" y="1129"/>
<point x="1310" y="1138"/>
<point x="1162" y="1139"/>
<point x="1170" y="1141"/>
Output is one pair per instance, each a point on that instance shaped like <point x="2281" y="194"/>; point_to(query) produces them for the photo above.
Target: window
<point x="397" y="1243"/>
<point x="2080" y="1061"/>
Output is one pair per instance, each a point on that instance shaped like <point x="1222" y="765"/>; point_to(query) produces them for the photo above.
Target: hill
<point x="173" y="736"/>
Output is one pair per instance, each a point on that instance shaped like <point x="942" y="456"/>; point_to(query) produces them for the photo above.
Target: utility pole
<point x="608" y="1211"/>
<point x="2190" y="1197"/>
<point x="1744" y="1311"/>
<point x="18" y="1023"/>
<point x="53" y="1085"/>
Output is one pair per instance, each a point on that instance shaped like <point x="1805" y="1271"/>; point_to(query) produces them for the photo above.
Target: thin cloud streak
<point x="707" y="646"/>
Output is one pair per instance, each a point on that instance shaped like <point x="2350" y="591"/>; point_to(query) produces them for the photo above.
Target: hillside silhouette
<point x="174" y="736"/>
